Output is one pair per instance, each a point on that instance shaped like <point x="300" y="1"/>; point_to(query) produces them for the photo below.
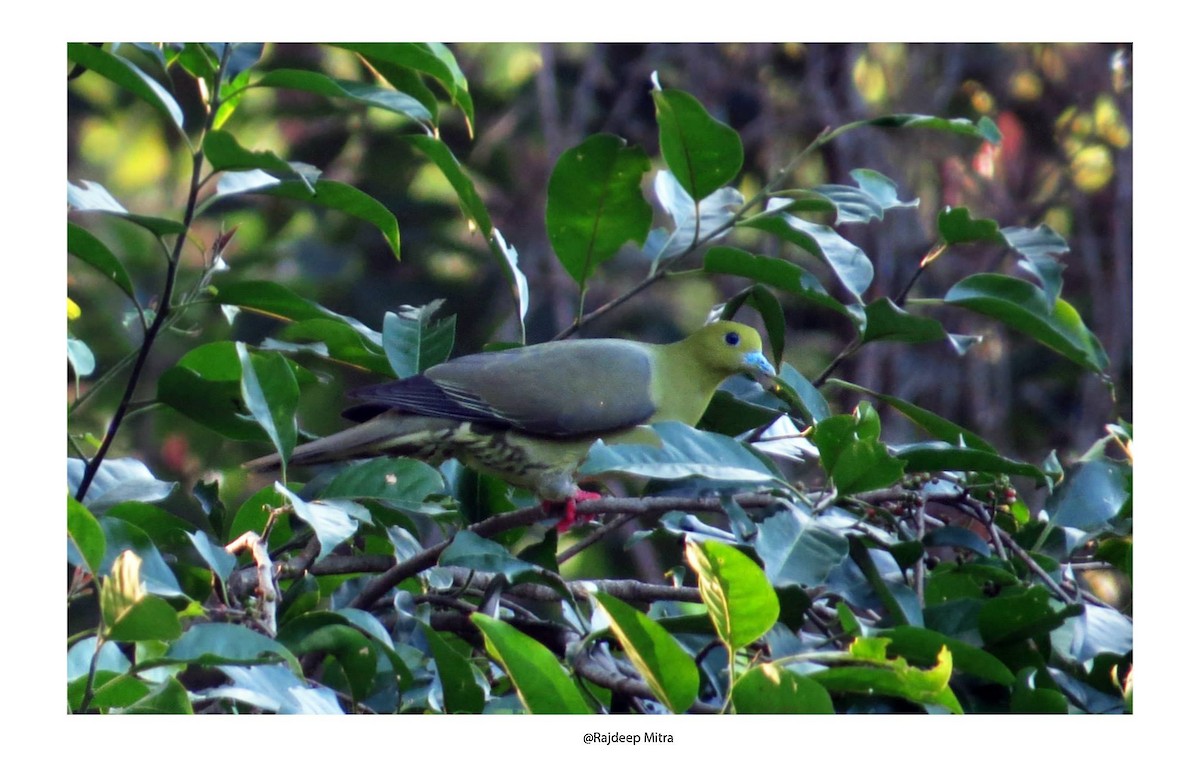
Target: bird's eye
<point x="732" y="338"/>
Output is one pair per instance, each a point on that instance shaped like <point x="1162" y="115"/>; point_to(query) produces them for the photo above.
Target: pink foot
<point x="568" y="519"/>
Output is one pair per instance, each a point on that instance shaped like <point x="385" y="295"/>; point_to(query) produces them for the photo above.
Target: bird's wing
<point x="560" y="389"/>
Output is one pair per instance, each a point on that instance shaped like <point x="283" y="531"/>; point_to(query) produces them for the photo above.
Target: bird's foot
<point x="569" y="512"/>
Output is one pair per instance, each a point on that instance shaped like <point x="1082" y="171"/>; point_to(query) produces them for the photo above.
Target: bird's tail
<point x="385" y="434"/>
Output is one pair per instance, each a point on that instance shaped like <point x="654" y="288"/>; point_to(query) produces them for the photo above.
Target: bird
<point x="529" y="415"/>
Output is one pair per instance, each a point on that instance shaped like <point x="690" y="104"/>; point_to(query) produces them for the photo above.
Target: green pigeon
<point x="529" y="415"/>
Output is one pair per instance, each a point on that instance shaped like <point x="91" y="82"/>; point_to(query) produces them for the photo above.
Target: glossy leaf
<point x="984" y="129"/>
<point x="414" y="341"/>
<point x="225" y="643"/>
<point x="121" y="536"/>
<point x="852" y="454"/>
<point x="331" y="524"/>
<point x="595" y="203"/>
<point x="123" y="479"/>
<point x="772" y="689"/>
<point x="225" y="154"/>
<point x="1040" y="249"/>
<point x="85" y="536"/>
<point x="214" y="555"/>
<point x="941" y="456"/>
<point x="92" y="197"/>
<point x="666" y="667"/>
<point x="541" y="683"/>
<point x="740" y="600"/>
<point x="893" y="677"/>
<point x="939" y="427"/>
<point x="469" y="550"/>
<point x="781" y="274"/>
<point x="886" y="321"/>
<point x="797" y="550"/>
<point x="432" y="59"/>
<point x="271" y="394"/>
<point x="922" y="646"/>
<point x="460" y="692"/>
<point x="1020" y="305"/>
<point x="684" y="452"/>
<point x="365" y="94"/>
<point x="716" y="215"/>
<point x="849" y="263"/>
<point x="767" y="304"/>
<point x="86" y="247"/>
<point x="127" y="76"/>
<point x="345" y="198"/>
<point x="1022" y="615"/>
<point x="956" y="226"/>
<point x="275" y="688"/>
<point x="703" y="153"/>
<point x="1093" y="494"/>
<point x="205" y="385"/>
<point x="398" y="482"/>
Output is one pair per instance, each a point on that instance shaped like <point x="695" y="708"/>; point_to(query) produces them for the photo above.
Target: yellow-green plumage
<point x="529" y="415"/>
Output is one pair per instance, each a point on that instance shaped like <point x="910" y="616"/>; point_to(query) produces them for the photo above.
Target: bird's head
<point x="732" y="348"/>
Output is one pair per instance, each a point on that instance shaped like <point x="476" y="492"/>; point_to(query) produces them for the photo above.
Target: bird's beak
<point x="757" y="365"/>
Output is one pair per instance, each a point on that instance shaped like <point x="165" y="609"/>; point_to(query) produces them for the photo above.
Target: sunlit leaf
<point x="703" y="153"/>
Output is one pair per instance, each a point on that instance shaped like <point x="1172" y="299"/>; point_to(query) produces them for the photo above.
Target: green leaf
<point x="206" y="386"/>
<point x="121" y="536"/>
<point x="595" y="204"/>
<point x="1021" y="306"/>
<point x="703" y="153"/>
<point x="941" y="456"/>
<point x="80" y="358"/>
<point x="849" y="263"/>
<point x="276" y="688"/>
<point x="349" y="646"/>
<point x="874" y="195"/>
<point x="347" y="199"/>
<point x="469" y="550"/>
<point x="939" y="427"/>
<point x="214" y="555"/>
<point x="272" y="395"/>
<point x="882" y="189"/>
<point x="984" y="129"/>
<point x="1040" y="249"/>
<point x="959" y="538"/>
<point x="92" y="251"/>
<point x="413" y="341"/>
<point x="85" y="536"/>
<point x="665" y="665"/>
<point x="540" y="681"/>
<point x="1093" y="494"/>
<point x="772" y="689"/>
<point x="167" y="698"/>
<point x="336" y="341"/>
<point x="716" y="214"/>
<point x="123" y="479"/>
<point x="468" y="197"/>
<point x="781" y="274"/>
<point x="897" y="598"/>
<point x="1023" y="615"/>
<point x="922" y="646"/>
<point x="150" y="618"/>
<point x="956" y="226"/>
<point x="852" y="454"/>
<point x="128" y="77"/>
<point x="797" y="550"/>
<point x="400" y="483"/>
<point x="460" y="692"/>
<point x="896" y="678"/>
<point x="225" y="643"/>
<point x="331" y="523"/>
<point x="92" y="197"/>
<point x="433" y="59"/>
<point x="365" y="94"/>
<point x="225" y="154"/>
<point x="887" y="321"/>
<point x="684" y="453"/>
<point x="740" y="600"/>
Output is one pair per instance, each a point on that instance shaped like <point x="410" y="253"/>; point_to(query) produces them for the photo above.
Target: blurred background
<point x="1065" y="112"/>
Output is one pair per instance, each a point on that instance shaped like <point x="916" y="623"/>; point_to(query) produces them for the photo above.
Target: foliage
<point x="817" y="564"/>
